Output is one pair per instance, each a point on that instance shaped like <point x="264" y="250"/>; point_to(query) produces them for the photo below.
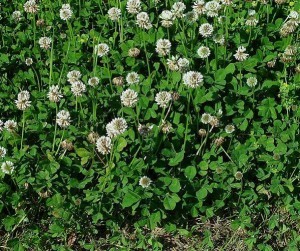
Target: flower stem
<point x="62" y="136"/>
<point x="23" y="128"/>
<point x="55" y="129"/>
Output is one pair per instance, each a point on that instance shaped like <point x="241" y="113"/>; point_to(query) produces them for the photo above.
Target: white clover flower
<point x="16" y="15"/>
<point x="10" y="125"/>
<point x="145" y="182"/>
<point x="199" y="7"/>
<point x="23" y="100"/>
<point x="226" y="2"/>
<point x="163" y="98"/>
<point x="251" y="21"/>
<point x="66" y="6"/>
<point x="22" y="104"/>
<point x="132" y="78"/>
<point x="206" y="30"/>
<point x="94" y="81"/>
<point x="73" y="76"/>
<point x="252" y="81"/>
<point x="173" y="63"/>
<point x="251" y="13"/>
<point x="178" y="8"/>
<point x="28" y="61"/>
<point x="212" y="8"/>
<point x="206" y="118"/>
<point x="45" y="42"/>
<point x="104" y="145"/>
<point x="54" y="94"/>
<point x="101" y="49"/>
<point x="167" y="18"/>
<point x="192" y="79"/>
<point x="229" y="128"/>
<point x="2" y="152"/>
<point x="219" y="39"/>
<point x="63" y="118"/>
<point x="203" y="52"/>
<point x="7" y="167"/>
<point x="24" y="95"/>
<point x="133" y="6"/>
<point x="163" y="47"/>
<point x="183" y="64"/>
<point x="191" y="17"/>
<point x="240" y="54"/>
<point x="78" y="88"/>
<point x="143" y="21"/>
<point x="166" y="126"/>
<point x="129" y="98"/>
<point x="31" y="7"/>
<point x="116" y="127"/>
<point x="65" y="12"/>
<point x="293" y="15"/>
<point x="114" y="14"/>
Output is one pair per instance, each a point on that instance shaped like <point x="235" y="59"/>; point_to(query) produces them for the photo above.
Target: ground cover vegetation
<point x="149" y="125"/>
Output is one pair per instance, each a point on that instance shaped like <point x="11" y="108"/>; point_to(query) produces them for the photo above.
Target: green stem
<point x="55" y="129"/>
<point x="187" y="120"/>
<point x="23" y="128"/>
<point x="62" y="136"/>
<point x="146" y="53"/>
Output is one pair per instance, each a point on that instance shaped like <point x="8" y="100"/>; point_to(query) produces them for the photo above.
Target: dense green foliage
<point x="243" y="164"/>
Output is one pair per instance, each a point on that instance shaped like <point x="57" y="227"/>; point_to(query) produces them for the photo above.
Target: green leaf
<point x="175" y="186"/>
<point x="82" y="152"/>
<point x="130" y="198"/>
<point x="122" y="143"/>
<point x="201" y="194"/>
<point x="170" y="201"/>
<point x="177" y="159"/>
<point x="190" y="172"/>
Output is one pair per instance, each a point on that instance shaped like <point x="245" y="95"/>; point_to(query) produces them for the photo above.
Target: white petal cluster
<point x="143" y="21"/>
<point x="31" y="6"/>
<point x="177" y="9"/>
<point x="101" y="49"/>
<point x="116" y="127"/>
<point x="129" y="98"/>
<point x="65" y="12"/>
<point x="163" y="47"/>
<point x="167" y="18"/>
<point x="10" y="125"/>
<point x="104" y="145"/>
<point x="45" y="42"/>
<point x="240" y="54"/>
<point x="2" y="152"/>
<point x="132" y="78"/>
<point x="114" y="14"/>
<point x="133" y="6"/>
<point x="145" y="182"/>
<point x="203" y="52"/>
<point x="7" y="167"/>
<point x="212" y="8"/>
<point x="63" y="118"/>
<point x="163" y="99"/>
<point x="252" y="81"/>
<point x="23" y="100"/>
<point x="54" y="94"/>
<point x="206" y="30"/>
<point x="94" y="81"/>
<point x="73" y="76"/>
<point x="192" y="79"/>
<point x="16" y="15"/>
<point x="78" y="88"/>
